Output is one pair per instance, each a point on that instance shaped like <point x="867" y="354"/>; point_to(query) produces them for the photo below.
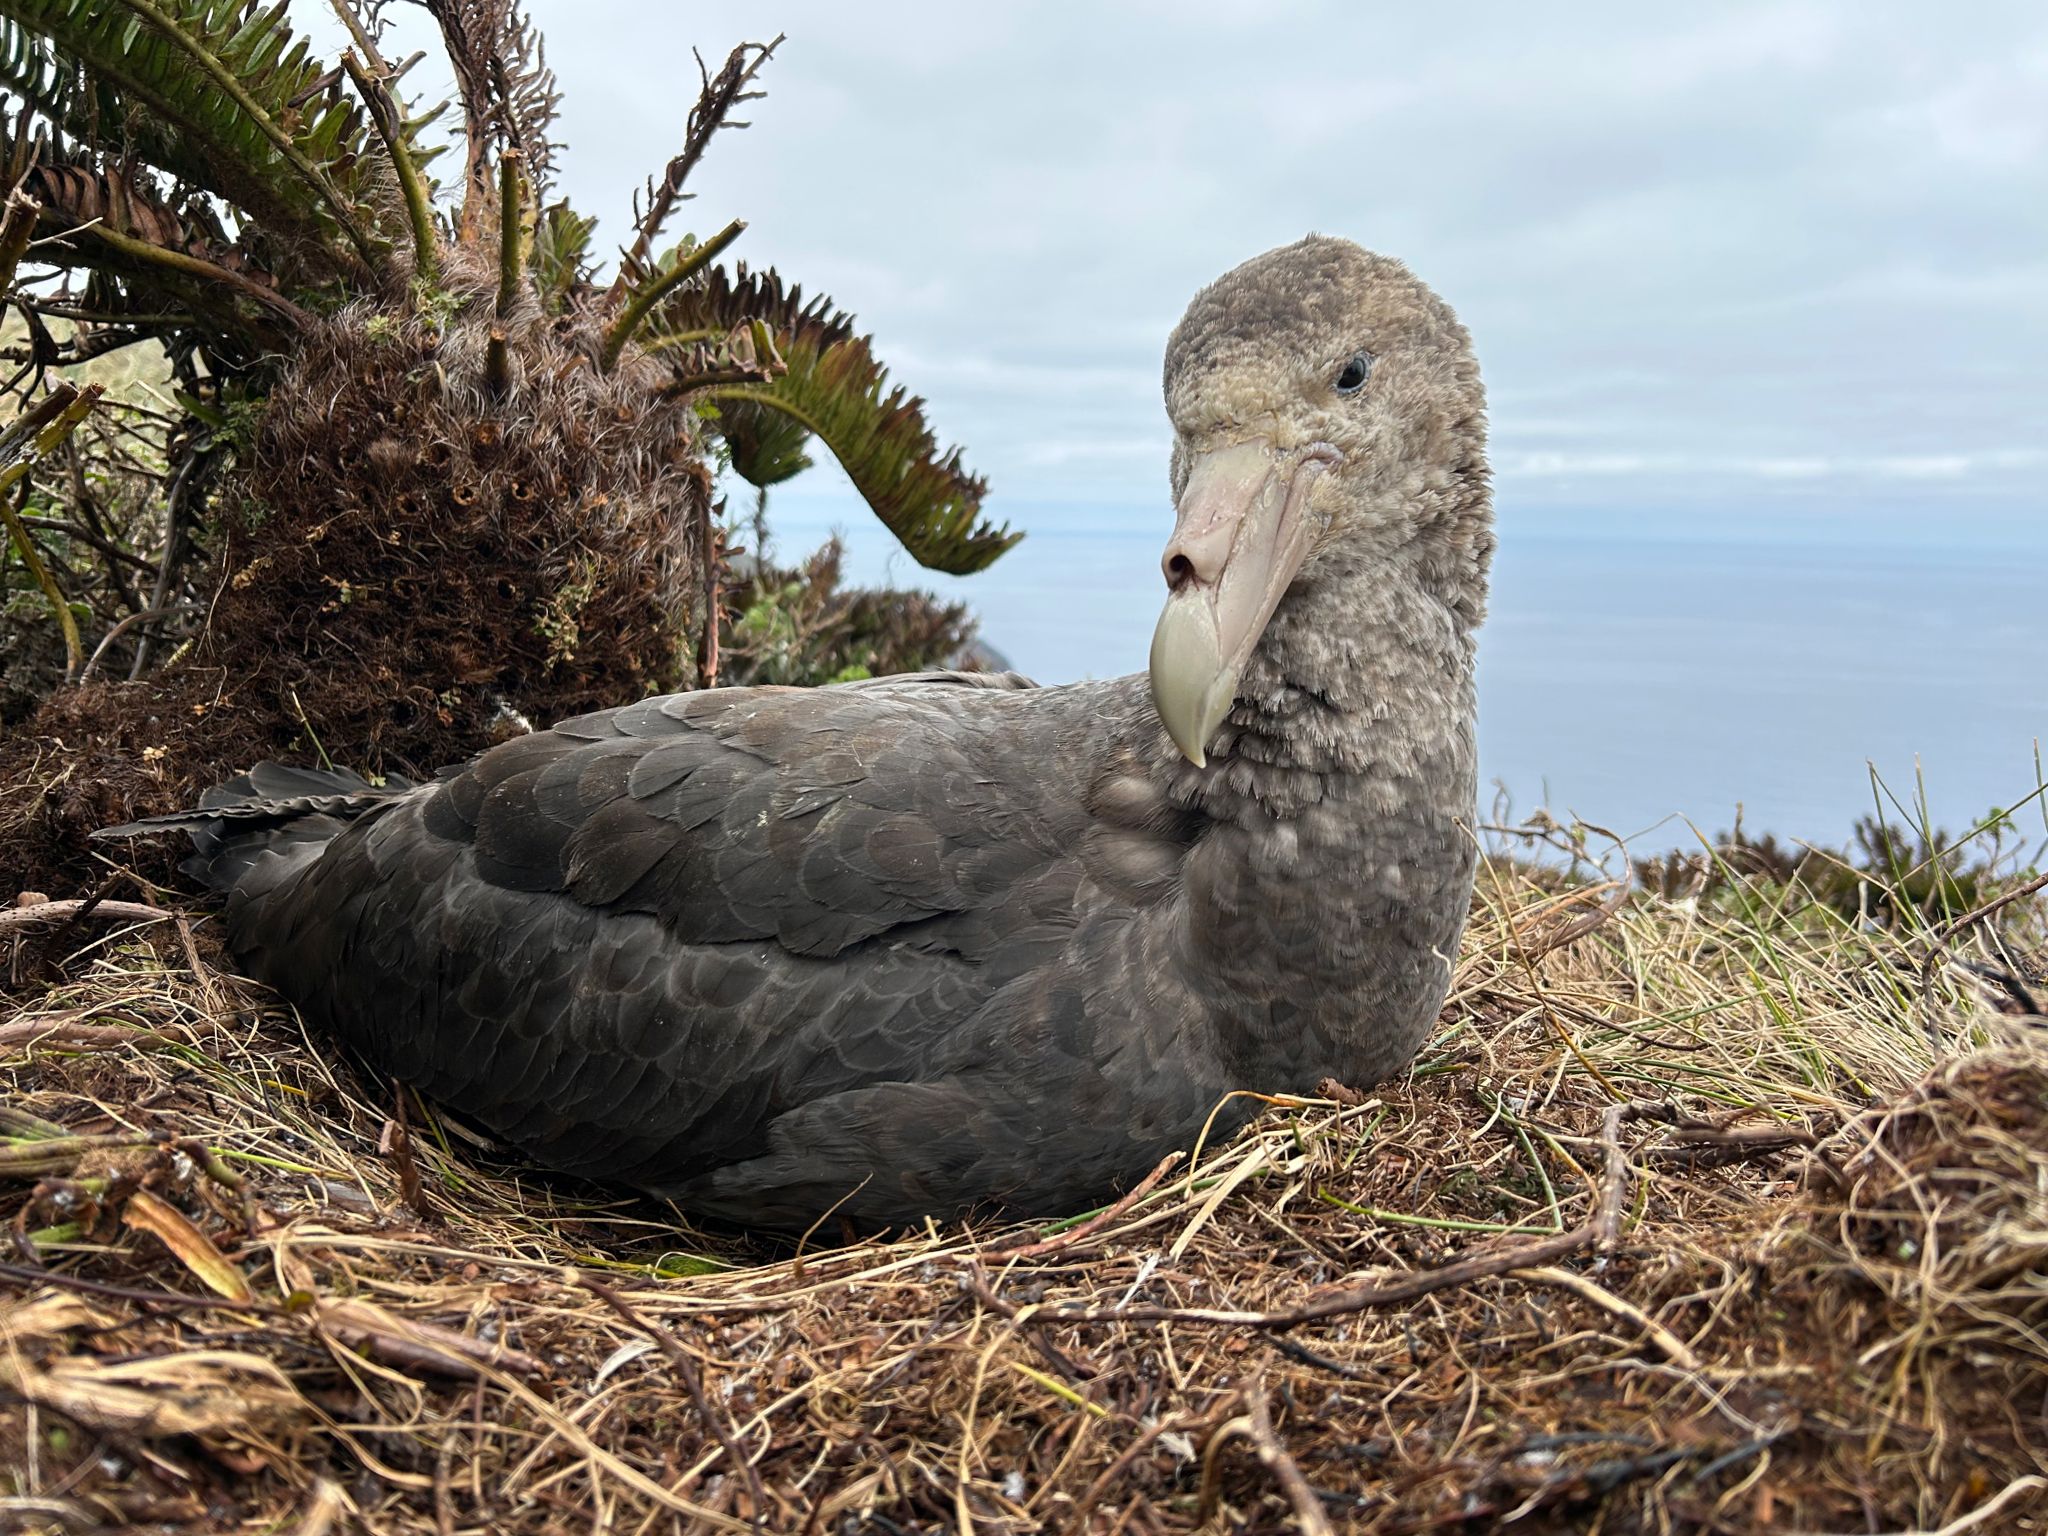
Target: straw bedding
<point x="1699" y="1214"/>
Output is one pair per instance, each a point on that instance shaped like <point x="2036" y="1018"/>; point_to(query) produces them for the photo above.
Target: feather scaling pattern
<point x="928" y="944"/>
<point x="707" y="942"/>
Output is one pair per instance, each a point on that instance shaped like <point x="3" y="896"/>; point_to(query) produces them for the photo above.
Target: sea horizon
<point x="1659" y="674"/>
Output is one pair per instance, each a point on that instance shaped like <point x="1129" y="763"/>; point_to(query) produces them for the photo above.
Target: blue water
<point x="1635" y="675"/>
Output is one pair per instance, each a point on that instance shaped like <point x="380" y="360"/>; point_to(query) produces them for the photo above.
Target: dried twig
<point x="54" y="911"/>
<point x="1615" y="1182"/>
<point x="1976" y="1518"/>
<point x="1308" y="1509"/>
<point x="713" y="111"/>
<point x="1674" y="1349"/>
<point x="17" y="228"/>
<point x="1410" y="1287"/>
<point x="413" y="1345"/>
<point x="396" y="1144"/>
<point x="1601" y="1230"/>
<point x="177" y="523"/>
<point x="1074" y="1236"/>
<point x="1990" y="908"/>
<point x="172" y="1301"/>
<point x="687" y="1369"/>
<point x="126" y="623"/>
<point x="1200" y="1428"/>
<point x="1030" y="1323"/>
<point x="71" y="1032"/>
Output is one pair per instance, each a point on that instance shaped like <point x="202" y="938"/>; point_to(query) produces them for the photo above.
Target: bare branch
<point x="509" y="95"/>
<point x="715" y="103"/>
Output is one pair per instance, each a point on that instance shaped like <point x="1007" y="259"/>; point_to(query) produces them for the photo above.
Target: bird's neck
<point x="1325" y="898"/>
<point x="1364" y="677"/>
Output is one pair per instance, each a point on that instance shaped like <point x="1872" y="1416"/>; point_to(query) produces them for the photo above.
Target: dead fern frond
<point x="716" y="102"/>
<point x="509" y="94"/>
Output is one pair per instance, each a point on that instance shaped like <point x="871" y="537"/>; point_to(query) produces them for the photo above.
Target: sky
<point x="1758" y="259"/>
<point x="1760" y="292"/>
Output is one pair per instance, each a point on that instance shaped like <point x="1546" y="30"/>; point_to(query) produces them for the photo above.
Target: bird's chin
<point x="1242" y="529"/>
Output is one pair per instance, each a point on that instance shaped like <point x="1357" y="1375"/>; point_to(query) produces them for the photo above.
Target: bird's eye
<point x="1355" y="373"/>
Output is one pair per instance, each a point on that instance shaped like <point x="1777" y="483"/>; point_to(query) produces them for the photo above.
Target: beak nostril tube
<point x="1242" y="528"/>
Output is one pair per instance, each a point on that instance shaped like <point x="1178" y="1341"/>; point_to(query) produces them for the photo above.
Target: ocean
<point x="1649" y="674"/>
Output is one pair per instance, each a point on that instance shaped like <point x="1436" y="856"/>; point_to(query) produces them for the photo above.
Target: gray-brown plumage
<point x="931" y="943"/>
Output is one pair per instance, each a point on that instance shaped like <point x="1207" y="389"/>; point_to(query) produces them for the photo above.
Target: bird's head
<point x="1329" y="422"/>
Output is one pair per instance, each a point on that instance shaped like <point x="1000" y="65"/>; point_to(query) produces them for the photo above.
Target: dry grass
<point x="1716" y="1215"/>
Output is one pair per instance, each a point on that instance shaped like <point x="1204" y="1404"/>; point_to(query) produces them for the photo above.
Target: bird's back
<point x="762" y="949"/>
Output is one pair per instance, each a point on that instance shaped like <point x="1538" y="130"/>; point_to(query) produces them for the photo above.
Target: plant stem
<point x="796" y="413"/>
<point x="74" y="648"/>
<point x="16" y="230"/>
<point x="510" y="229"/>
<point x="669" y="339"/>
<point x="359" y="32"/>
<point x="224" y="77"/>
<point x="194" y="266"/>
<point x="644" y="298"/>
<point x="391" y="129"/>
<point x="717" y="378"/>
<point x="497" y="354"/>
<point x="708" y="559"/>
<point x="20" y="446"/>
<point x="174" y="549"/>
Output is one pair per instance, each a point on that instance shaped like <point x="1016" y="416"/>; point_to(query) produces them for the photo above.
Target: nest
<point x="1685" y="1221"/>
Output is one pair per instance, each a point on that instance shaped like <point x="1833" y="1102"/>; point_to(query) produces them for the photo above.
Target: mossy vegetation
<point x="404" y="468"/>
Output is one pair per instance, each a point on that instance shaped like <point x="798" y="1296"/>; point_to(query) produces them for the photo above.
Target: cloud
<point x="1792" y="246"/>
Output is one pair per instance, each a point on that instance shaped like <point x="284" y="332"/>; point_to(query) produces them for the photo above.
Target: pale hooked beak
<point x="1241" y="531"/>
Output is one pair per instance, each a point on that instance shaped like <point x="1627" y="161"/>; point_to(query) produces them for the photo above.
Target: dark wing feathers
<point x="717" y="943"/>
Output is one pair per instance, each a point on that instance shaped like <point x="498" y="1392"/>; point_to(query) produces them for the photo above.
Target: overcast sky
<point x="1758" y="276"/>
<point x="1771" y="254"/>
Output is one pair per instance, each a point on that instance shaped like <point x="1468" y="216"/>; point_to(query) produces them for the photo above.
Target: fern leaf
<point x="767" y="445"/>
<point x="834" y="388"/>
<point x="560" y="257"/>
<point x="218" y="94"/>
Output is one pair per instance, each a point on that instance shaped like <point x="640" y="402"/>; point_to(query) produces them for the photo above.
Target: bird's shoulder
<point x="818" y="817"/>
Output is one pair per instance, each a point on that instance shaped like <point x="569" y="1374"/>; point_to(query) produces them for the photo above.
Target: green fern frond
<point x="219" y="94"/>
<point x="560" y="254"/>
<point x="833" y="387"/>
<point x="767" y="445"/>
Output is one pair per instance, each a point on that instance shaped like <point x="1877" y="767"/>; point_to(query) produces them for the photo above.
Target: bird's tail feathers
<point x="261" y="825"/>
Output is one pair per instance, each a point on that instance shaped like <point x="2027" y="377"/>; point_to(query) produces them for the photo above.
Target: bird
<point x="946" y="944"/>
